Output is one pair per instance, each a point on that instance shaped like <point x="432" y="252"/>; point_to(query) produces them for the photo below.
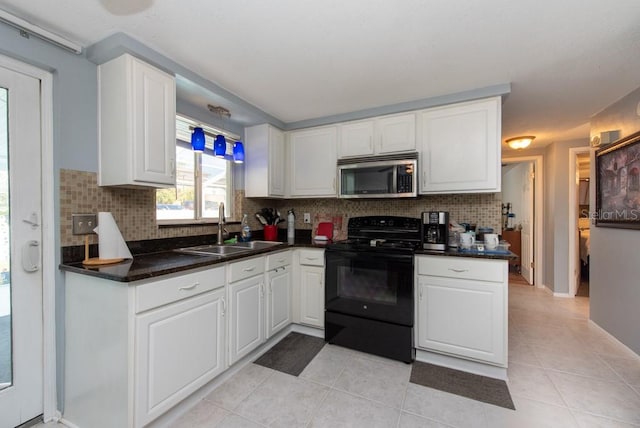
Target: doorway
<point x="21" y="242"/>
<point x="579" y="220"/>
<point x="527" y="171"/>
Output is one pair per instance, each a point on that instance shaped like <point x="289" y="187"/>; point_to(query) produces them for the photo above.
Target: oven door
<point x="370" y="284"/>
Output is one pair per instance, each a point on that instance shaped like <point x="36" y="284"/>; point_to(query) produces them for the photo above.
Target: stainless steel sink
<point x="228" y="249"/>
<point x="216" y="250"/>
<point x="255" y="245"/>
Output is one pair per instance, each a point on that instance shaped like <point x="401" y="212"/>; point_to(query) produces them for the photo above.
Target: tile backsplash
<point x="483" y="209"/>
<point x="134" y="209"/>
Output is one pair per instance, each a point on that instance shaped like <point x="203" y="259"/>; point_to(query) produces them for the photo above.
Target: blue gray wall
<point x="614" y="284"/>
<point x="75" y="124"/>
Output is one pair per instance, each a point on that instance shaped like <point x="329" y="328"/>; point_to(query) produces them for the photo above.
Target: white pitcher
<point x="491" y="241"/>
<point x="467" y="239"/>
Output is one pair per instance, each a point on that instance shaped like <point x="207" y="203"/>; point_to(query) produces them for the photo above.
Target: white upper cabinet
<point x="396" y="133"/>
<point x="137" y="124"/>
<point x="386" y="134"/>
<point x="313" y="161"/>
<point x="460" y="148"/>
<point x="356" y="139"/>
<point x="265" y="161"/>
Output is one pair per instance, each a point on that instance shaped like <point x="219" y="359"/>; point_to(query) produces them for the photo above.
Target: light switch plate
<point x="83" y="224"/>
<point x="307" y="218"/>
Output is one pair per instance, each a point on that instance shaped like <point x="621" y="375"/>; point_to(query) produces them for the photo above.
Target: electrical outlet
<point x="307" y="218"/>
<point x="83" y="224"/>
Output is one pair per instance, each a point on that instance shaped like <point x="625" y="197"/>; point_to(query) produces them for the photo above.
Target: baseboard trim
<point x="615" y="339"/>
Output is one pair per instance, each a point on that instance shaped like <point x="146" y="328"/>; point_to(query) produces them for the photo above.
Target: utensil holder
<point x="270" y="232"/>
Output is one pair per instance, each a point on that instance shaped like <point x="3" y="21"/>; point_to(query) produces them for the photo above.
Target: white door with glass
<point x="21" y="358"/>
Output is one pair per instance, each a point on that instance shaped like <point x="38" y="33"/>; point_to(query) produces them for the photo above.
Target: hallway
<point x="559" y="358"/>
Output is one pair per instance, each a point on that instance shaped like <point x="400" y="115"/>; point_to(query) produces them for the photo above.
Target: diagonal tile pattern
<point x="563" y="372"/>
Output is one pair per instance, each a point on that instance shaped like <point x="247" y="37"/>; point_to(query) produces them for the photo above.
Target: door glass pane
<point x="178" y="203"/>
<point x="6" y="375"/>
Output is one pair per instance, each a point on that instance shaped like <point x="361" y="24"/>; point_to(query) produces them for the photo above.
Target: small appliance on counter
<point x="435" y="230"/>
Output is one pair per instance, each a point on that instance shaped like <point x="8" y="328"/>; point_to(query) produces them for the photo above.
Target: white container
<point x="291" y="227"/>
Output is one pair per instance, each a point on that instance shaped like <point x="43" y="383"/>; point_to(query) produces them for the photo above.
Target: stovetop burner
<point x="381" y="233"/>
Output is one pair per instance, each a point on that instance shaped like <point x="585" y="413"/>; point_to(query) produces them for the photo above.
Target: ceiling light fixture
<point x="198" y="139"/>
<point x="519" y="143"/>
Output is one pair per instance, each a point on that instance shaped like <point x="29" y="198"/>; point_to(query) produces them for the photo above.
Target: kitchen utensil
<point x="261" y="219"/>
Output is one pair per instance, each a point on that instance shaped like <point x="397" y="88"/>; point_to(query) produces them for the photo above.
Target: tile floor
<point x="563" y="372"/>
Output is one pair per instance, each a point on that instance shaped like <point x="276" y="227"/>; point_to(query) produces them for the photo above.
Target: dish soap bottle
<point x="245" y="231"/>
<point x="291" y="227"/>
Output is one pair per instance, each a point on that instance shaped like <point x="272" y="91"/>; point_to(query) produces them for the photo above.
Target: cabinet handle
<point x="261" y="289"/>
<point x="311" y="258"/>
<point x="224" y="306"/>
<point x="189" y="287"/>
<point x="421" y="287"/>
<point x="458" y="270"/>
<point x="280" y="261"/>
<point x="173" y="167"/>
<point x="249" y="269"/>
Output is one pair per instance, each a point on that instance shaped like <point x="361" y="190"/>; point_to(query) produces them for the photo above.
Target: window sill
<point x="189" y="223"/>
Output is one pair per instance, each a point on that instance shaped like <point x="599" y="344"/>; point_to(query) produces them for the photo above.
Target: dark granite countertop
<point x="155" y="258"/>
<point x="453" y="252"/>
<point x="146" y="265"/>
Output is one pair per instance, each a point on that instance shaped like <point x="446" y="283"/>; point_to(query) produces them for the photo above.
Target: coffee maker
<point x="435" y="230"/>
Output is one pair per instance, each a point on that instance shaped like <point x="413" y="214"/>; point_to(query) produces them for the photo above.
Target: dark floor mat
<point x="476" y="387"/>
<point x="292" y="354"/>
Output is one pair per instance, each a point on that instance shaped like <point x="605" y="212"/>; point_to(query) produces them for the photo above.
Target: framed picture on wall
<point x="618" y="184"/>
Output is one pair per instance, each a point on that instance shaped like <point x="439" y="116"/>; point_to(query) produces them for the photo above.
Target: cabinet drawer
<point x="312" y="257"/>
<point x="158" y="293"/>
<point x="462" y="267"/>
<point x="246" y="269"/>
<point x="279" y="259"/>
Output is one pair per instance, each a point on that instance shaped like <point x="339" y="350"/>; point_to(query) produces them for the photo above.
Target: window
<point x="203" y="181"/>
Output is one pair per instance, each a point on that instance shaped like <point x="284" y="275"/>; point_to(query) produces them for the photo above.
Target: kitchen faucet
<point x="221" y="223"/>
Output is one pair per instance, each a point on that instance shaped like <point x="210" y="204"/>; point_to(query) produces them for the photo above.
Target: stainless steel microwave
<point x="378" y="177"/>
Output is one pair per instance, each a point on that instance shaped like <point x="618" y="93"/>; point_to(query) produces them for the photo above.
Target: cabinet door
<point x="356" y="139"/>
<point x="179" y="348"/>
<point x="460" y="148"/>
<point x="463" y="318"/>
<point x="277" y="158"/>
<point x="396" y="133"/>
<point x="312" y="296"/>
<point x="278" y="300"/>
<point x="154" y="125"/>
<point x="313" y="162"/>
<point x="246" y="316"/>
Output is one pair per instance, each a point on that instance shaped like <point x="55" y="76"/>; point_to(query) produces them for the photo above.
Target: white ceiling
<point x="304" y="59"/>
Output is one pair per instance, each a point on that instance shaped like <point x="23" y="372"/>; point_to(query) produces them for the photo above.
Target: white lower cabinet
<point x="462" y="307"/>
<point x="311" y="278"/>
<point x="278" y="302"/>
<point x="246" y="307"/>
<point x="134" y="350"/>
<point x="180" y="348"/>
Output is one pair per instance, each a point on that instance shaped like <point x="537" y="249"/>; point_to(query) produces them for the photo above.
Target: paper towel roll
<point x="111" y="245"/>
